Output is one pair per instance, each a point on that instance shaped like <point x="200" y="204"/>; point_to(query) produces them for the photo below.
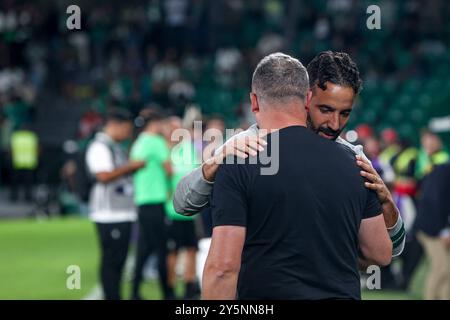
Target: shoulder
<point x="250" y="132"/>
<point x="98" y="155"/>
<point x="157" y="141"/>
<point x="233" y="166"/>
<point x="151" y="142"/>
<point x="97" y="148"/>
<point x="141" y="141"/>
<point x="356" y="149"/>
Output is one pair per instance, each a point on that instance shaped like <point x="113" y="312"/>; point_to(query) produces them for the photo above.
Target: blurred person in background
<point x="181" y="229"/>
<point x="24" y="160"/>
<point x="192" y="114"/>
<point x="364" y="132"/>
<point x="431" y="153"/>
<point x="151" y="190"/>
<point x="217" y="123"/>
<point x="405" y="191"/>
<point x="390" y="145"/>
<point x="372" y="149"/>
<point x="111" y="198"/>
<point x="433" y="231"/>
<point x="213" y="122"/>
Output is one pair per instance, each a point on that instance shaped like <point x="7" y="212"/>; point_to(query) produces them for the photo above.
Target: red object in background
<point x="389" y="135"/>
<point x="409" y="189"/>
<point x="89" y="122"/>
<point x="364" y="131"/>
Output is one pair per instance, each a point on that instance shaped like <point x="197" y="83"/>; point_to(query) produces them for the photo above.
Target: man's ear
<point x="254" y="102"/>
<point x="308" y="99"/>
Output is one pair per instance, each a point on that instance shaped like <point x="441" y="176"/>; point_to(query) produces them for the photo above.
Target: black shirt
<point x="433" y="210"/>
<point x="301" y="223"/>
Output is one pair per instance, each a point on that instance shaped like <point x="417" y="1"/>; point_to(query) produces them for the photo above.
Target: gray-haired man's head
<point x="279" y="77"/>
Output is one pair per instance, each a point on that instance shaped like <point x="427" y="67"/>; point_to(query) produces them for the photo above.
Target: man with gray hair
<point x="300" y="229"/>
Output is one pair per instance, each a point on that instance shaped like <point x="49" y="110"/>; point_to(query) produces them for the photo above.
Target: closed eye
<point x="325" y="109"/>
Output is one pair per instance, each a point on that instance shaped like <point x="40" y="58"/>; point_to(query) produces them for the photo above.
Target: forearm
<point x="192" y="193"/>
<point x="107" y="177"/>
<point x="219" y="285"/>
<point x="394" y="225"/>
<point x="390" y="212"/>
<point x="209" y="169"/>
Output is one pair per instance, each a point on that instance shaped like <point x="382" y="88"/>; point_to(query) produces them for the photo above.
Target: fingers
<point x="372" y="177"/>
<point x="253" y="144"/>
<point x="262" y="142"/>
<point x="246" y="149"/>
<point x="241" y="154"/>
<point x="240" y="149"/>
<point x="362" y="163"/>
<point x="242" y="146"/>
<point x="256" y="141"/>
<point x="250" y="145"/>
<point x="373" y="186"/>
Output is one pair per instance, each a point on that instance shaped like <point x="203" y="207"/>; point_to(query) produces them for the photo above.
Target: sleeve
<point x="398" y="237"/>
<point x="161" y="151"/>
<point x="99" y="158"/>
<point x="137" y="151"/>
<point x="373" y="206"/>
<point x="192" y="193"/>
<point x="229" y="201"/>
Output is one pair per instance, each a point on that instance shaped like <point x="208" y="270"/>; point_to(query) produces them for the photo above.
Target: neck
<point x="151" y="130"/>
<point x="275" y="120"/>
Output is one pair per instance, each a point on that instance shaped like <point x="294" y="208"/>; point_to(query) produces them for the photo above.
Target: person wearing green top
<point x="151" y="191"/>
<point x="181" y="230"/>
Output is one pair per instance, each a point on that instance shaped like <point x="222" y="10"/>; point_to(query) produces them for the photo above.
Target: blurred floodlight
<point x="70" y="146"/>
<point x="351" y="136"/>
<point x="440" y="124"/>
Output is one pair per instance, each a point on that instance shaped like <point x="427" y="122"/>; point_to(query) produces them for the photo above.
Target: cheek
<point x="343" y="122"/>
<point x="318" y="118"/>
<point x="127" y="132"/>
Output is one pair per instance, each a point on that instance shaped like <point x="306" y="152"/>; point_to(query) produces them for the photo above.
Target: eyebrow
<point x="326" y="106"/>
<point x="332" y="108"/>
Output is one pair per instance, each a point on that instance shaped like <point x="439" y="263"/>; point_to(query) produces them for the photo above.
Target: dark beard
<point x="334" y="133"/>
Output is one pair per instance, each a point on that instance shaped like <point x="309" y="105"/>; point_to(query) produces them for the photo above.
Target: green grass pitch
<point x="34" y="256"/>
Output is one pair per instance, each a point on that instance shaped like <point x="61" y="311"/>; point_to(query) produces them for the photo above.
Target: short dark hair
<point x="119" y="115"/>
<point x="148" y="115"/>
<point x="214" y="117"/>
<point x="335" y="67"/>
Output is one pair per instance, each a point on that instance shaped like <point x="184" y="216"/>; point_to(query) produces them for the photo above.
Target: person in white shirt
<point x="111" y="197"/>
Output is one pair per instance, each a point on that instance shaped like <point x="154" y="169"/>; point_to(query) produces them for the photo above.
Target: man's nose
<point x="333" y="123"/>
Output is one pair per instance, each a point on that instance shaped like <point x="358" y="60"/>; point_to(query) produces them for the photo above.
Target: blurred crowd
<point x="158" y="159"/>
<point x="419" y="195"/>
<point x="176" y="52"/>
